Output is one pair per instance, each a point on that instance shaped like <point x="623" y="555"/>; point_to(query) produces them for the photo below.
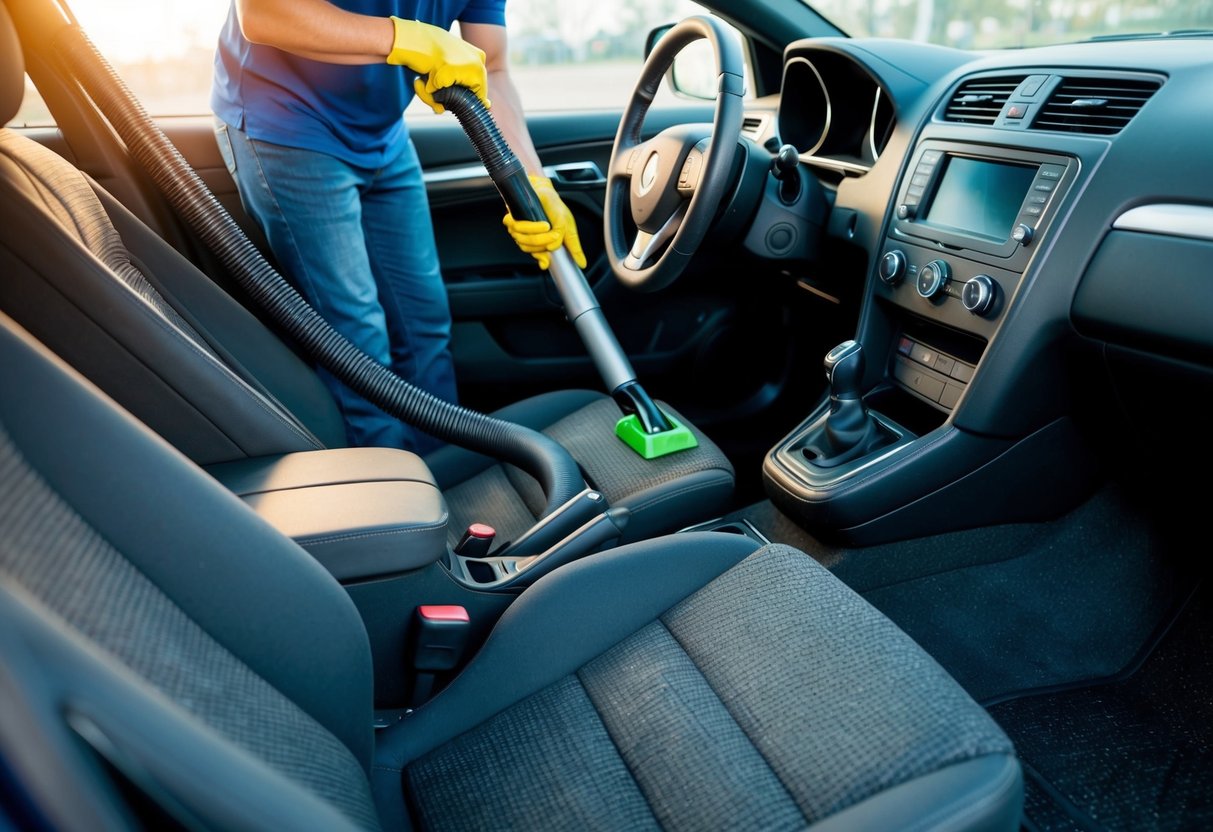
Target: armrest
<point x="360" y="512"/>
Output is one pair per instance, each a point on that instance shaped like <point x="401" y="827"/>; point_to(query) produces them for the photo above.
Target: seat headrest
<point x="12" y="69"/>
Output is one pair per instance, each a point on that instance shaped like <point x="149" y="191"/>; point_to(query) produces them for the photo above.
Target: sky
<point x="133" y="30"/>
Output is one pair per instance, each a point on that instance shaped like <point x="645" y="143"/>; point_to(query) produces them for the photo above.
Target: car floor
<point x="1136" y="753"/>
<point x="1057" y="628"/>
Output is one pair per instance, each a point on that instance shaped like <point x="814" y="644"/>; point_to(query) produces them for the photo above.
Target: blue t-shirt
<point x="352" y="112"/>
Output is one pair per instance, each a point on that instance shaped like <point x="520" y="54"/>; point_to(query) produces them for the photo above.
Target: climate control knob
<point x="893" y="267"/>
<point x="933" y="277"/>
<point x="978" y="294"/>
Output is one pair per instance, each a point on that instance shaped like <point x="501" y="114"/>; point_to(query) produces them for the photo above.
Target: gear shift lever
<point x="848" y="419"/>
<point x="849" y="430"/>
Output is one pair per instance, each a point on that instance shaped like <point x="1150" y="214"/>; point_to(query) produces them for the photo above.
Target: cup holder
<point x="741" y="526"/>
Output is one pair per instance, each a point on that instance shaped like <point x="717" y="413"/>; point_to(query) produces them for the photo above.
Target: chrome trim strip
<point x="872" y="126"/>
<point x="466" y="173"/>
<point x="834" y="164"/>
<point x="825" y="130"/>
<point x="1169" y="218"/>
<point x="473" y="173"/>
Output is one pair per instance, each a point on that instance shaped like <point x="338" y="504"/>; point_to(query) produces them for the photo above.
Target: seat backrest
<point x="70" y="277"/>
<point x="98" y="287"/>
<point x="198" y="651"/>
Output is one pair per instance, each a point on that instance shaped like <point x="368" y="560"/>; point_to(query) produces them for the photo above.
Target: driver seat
<point x="101" y="289"/>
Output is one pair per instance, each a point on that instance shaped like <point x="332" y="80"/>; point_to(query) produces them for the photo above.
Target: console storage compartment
<point x="361" y="512"/>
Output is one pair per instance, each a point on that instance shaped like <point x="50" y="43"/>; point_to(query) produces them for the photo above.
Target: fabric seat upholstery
<point x="769" y="696"/>
<point x="681" y="682"/>
<point x="99" y="288"/>
<point x="127" y="552"/>
<point x="744" y="705"/>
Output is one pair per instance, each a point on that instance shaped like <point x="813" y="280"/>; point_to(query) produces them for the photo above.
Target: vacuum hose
<point x="499" y="160"/>
<point x="538" y="455"/>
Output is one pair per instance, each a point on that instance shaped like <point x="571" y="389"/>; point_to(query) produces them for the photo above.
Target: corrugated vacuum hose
<point x="538" y="455"/>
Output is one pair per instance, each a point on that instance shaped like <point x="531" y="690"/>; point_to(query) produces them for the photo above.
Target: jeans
<point x="358" y="244"/>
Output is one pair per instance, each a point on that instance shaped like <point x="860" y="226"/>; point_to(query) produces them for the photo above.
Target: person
<point x="309" y="97"/>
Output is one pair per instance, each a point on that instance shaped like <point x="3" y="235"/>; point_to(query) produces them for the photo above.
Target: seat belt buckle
<point x="437" y="643"/>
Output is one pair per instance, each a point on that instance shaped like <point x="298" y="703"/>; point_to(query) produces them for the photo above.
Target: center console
<point x="967" y="220"/>
<point x="377" y="521"/>
<point x="964" y="225"/>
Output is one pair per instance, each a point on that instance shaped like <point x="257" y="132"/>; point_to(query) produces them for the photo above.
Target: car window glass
<point x="33" y="111"/>
<point x="585" y="54"/>
<point x="570" y="55"/>
<point x="1002" y="24"/>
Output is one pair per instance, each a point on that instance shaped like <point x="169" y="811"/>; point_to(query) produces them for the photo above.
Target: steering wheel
<point x="674" y="182"/>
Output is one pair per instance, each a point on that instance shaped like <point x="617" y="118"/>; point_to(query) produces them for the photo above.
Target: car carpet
<point x="1136" y="753"/>
<point x="1023" y="606"/>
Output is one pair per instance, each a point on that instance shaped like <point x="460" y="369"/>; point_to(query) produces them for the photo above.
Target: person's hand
<point x="440" y="60"/>
<point x="539" y="239"/>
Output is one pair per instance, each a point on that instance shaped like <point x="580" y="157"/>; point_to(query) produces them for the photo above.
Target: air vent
<point x="753" y="126"/>
<point x="1101" y="106"/>
<point x="980" y="100"/>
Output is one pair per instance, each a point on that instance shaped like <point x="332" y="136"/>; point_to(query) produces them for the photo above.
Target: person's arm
<point x="535" y="238"/>
<point x="318" y="30"/>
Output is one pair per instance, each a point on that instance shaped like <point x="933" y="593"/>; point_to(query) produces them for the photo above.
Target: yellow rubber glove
<point x="539" y="239"/>
<point x="442" y="60"/>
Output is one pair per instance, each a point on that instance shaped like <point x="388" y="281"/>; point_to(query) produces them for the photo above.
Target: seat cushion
<point x="773" y="697"/>
<point x="663" y="494"/>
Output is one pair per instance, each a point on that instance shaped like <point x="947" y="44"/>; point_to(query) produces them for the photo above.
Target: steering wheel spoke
<point x="646" y="245"/>
<point x="624" y="162"/>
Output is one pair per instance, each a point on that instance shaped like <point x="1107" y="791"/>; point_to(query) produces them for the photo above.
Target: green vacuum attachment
<point x="653" y="445"/>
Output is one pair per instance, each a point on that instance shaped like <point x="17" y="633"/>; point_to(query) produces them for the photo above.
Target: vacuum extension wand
<point x="578" y="299"/>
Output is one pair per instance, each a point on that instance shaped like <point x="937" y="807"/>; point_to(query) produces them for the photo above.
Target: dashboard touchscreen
<point x="979" y="197"/>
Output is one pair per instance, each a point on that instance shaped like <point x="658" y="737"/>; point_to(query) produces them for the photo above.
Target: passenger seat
<point x="166" y="656"/>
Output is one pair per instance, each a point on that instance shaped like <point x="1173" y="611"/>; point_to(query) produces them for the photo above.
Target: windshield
<point x="1002" y="24"/>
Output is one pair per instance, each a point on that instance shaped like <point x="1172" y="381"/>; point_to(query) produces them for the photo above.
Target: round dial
<point x="893" y="267"/>
<point x="978" y="294"/>
<point x="933" y="277"/>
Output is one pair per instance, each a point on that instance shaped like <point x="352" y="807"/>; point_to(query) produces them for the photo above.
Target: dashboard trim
<point x="834" y="164"/>
<point x="872" y="124"/>
<point x="1170" y="219"/>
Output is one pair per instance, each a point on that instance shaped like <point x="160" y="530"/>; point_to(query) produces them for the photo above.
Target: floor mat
<point x="1133" y="754"/>
<point x="1010" y="608"/>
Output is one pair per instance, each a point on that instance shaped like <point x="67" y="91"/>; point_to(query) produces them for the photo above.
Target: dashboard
<point x="1030" y="219"/>
<point x="834" y="112"/>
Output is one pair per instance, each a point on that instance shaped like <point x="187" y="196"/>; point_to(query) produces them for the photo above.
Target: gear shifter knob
<point x="850" y="431"/>
<point x="844" y="370"/>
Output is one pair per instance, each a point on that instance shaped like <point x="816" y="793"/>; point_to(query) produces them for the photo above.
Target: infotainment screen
<point x="979" y="197"/>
